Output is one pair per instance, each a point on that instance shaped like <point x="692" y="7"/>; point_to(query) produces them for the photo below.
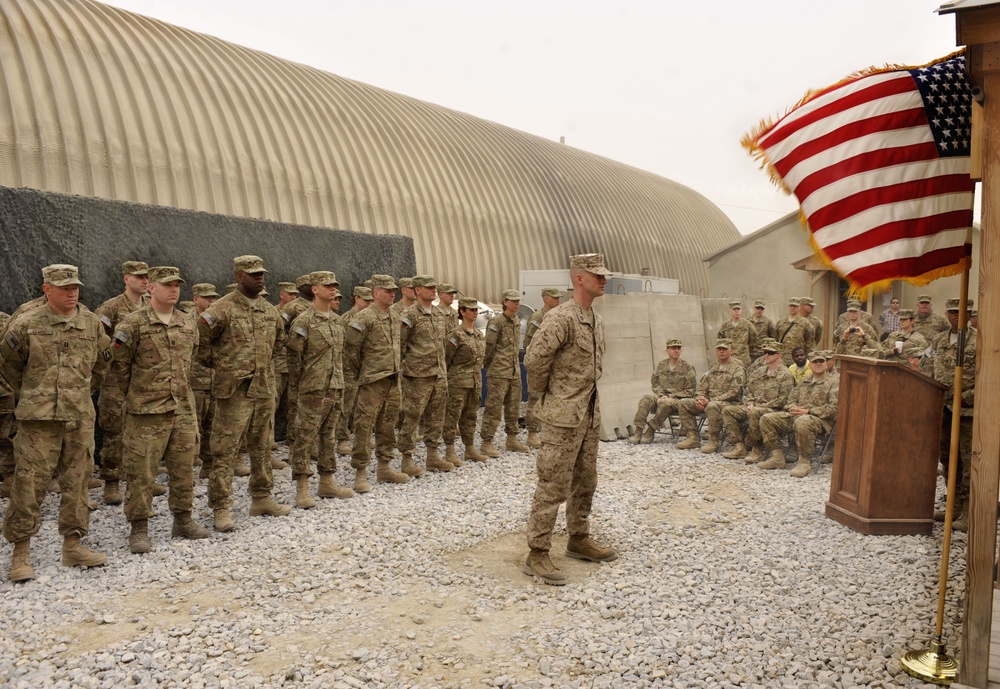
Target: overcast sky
<point x="668" y="87"/>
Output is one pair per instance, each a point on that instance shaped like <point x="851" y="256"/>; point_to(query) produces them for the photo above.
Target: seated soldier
<point x="721" y="386"/>
<point x="811" y="410"/>
<point x="766" y="391"/>
<point x="673" y="380"/>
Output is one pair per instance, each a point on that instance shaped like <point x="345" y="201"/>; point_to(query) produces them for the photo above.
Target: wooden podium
<point x="887" y="448"/>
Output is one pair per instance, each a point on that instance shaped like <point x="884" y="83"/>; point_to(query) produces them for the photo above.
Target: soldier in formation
<point x="673" y="380"/>
<point x="503" y="376"/>
<point x="201" y="383"/>
<point x="762" y="324"/>
<point x="740" y="333"/>
<point x="464" y="353"/>
<point x="362" y="300"/>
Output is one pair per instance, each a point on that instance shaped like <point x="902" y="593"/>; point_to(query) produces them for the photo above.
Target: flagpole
<point x="934" y="664"/>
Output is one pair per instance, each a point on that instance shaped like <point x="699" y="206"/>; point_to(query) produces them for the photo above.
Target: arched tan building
<point x="101" y="102"/>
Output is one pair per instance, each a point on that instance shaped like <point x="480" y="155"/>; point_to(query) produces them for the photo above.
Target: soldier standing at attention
<point x="238" y="337"/>
<point x="928" y="323"/>
<point x="316" y="346"/>
<point x="464" y="353"/>
<point x="407" y="297"/>
<point x="446" y="297"/>
<point x="371" y="357"/>
<point x="720" y="387"/>
<point x="362" y="300"/>
<point x="740" y="333"/>
<point x="424" y="329"/>
<point x="287" y="293"/>
<point x="153" y="350"/>
<point x="52" y="358"/>
<point x="793" y="331"/>
<point x="565" y="363"/>
<point x="673" y="380"/>
<point x="110" y="403"/>
<point x="295" y="308"/>
<point x="503" y="376"/>
<point x="762" y="324"/>
<point x="806" y="306"/>
<point x="201" y="383"/>
<point x="550" y="300"/>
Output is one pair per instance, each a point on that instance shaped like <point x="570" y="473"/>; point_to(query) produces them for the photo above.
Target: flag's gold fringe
<point x="751" y="139"/>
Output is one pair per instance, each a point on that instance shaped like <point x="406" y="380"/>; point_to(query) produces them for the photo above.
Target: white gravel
<point x="728" y="577"/>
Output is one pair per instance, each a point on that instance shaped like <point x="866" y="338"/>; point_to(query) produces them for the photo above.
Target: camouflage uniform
<point x="565" y="363"/>
<point x="945" y="358"/>
<point x="503" y="376"/>
<point x="742" y="335"/>
<point x="111" y="402"/>
<point x="722" y="385"/>
<point x="464" y="353"/>
<point x="7" y="422"/>
<point x="238" y="341"/>
<point x="912" y="338"/>
<point x="316" y="346"/>
<point x="765" y="329"/>
<point x="866" y="318"/>
<point x="52" y="363"/>
<point x="153" y="369"/>
<point x="931" y="325"/>
<point x="791" y="334"/>
<point x="345" y="424"/>
<point x="292" y="310"/>
<point x="766" y="391"/>
<point x="421" y="348"/>
<point x="817" y="326"/>
<point x="371" y="356"/>
<point x="857" y="341"/>
<point x="530" y="419"/>
<point x="820" y="398"/>
<point x="204" y="409"/>
<point x="675" y="382"/>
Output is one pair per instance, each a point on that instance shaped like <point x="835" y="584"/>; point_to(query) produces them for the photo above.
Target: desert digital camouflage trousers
<point x="650" y="404"/>
<point x="318" y="414"/>
<point x="806" y="427"/>
<point x="7" y="428"/>
<point x="461" y="414"/>
<point x="280" y="390"/>
<point x="531" y="420"/>
<point x="424" y="404"/>
<point x="964" y="470"/>
<point x="204" y="412"/>
<point x="111" y="418"/>
<point x="733" y="416"/>
<point x="147" y="439"/>
<point x="65" y="448"/>
<point x="503" y="396"/>
<point x="687" y="409"/>
<point x="377" y="408"/>
<point x="567" y="472"/>
<point x="346" y="423"/>
<point x="235" y="416"/>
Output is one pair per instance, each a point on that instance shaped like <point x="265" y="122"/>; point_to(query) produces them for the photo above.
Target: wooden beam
<point x="976" y="143"/>
<point x="977" y="26"/>
<point x="982" y="541"/>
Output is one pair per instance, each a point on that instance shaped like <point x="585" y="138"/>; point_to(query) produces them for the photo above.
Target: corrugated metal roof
<point x="101" y="102"/>
<point x="963" y="5"/>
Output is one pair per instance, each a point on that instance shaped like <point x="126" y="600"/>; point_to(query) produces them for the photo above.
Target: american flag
<point x="880" y="165"/>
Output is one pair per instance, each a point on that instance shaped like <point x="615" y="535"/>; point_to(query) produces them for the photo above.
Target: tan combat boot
<point x="329" y="489"/>
<point x="361" y="484"/>
<point x="411" y="468"/>
<point x="756" y="454"/>
<point x="691" y="441"/>
<point x="20" y="562"/>
<point x="584" y="548"/>
<point x="636" y="436"/>
<point x="538" y="564"/>
<point x="6" y="486"/>
<point x="138" y="539"/>
<point x="739" y="451"/>
<point x="223" y="521"/>
<point x="515" y="445"/>
<point x="303" y="498"/>
<point x="386" y="474"/>
<point x="712" y="445"/>
<point x="475" y="455"/>
<point x="775" y="460"/>
<point x="801" y="468"/>
<point x="488" y="449"/>
<point x="186" y="527"/>
<point x="648" y="435"/>
<point x="534" y="440"/>
<point x="205" y="471"/>
<point x="159" y="489"/>
<point x="112" y="493"/>
<point x="242" y="468"/>
<point x="269" y="506"/>
<point x="452" y="457"/>
<point x="94" y="483"/>
<point x="343" y="447"/>
<point x="434" y="461"/>
<point x="277" y="464"/>
<point x="74" y="554"/>
<point x="961" y="519"/>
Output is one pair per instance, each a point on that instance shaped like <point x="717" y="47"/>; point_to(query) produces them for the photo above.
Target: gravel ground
<point x="728" y="577"/>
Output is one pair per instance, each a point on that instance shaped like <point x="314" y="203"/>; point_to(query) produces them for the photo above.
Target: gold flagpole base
<point x="932" y="665"/>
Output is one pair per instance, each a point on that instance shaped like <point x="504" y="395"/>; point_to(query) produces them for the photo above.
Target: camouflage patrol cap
<point x="424" y="281"/>
<point x="231" y="287"/>
<point x="552" y="292"/>
<point x="759" y="303"/>
<point x="337" y="294"/>
<point x="61" y="275"/>
<point x="249" y="264"/>
<point x="383" y="282"/>
<point x="924" y="299"/>
<point x="363" y="292"/>
<point x="952" y="305"/>
<point x="854" y="302"/>
<point x="970" y="303"/>
<point x="770" y="345"/>
<point x="368" y="283"/>
<point x="468" y="303"/>
<point x="906" y="313"/>
<point x="808" y="301"/>
<point x="447" y="288"/>
<point x="165" y="274"/>
<point x="512" y="295"/>
<point x="674" y="342"/>
<point x="323" y="277"/>
<point x="264" y="293"/>
<point x="592" y="263"/>
<point x="134" y="268"/>
<point x="186" y="306"/>
<point x="204" y="289"/>
<point x="403" y="282"/>
<point x="302" y="280"/>
<point x="793" y="301"/>
<point x="853" y="306"/>
<point x="829" y="353"/>
<point x="288" y="287"/>
<point x="736" y="305"/>
<point x="723" y="343"/>
<point x="818" y="355"/>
